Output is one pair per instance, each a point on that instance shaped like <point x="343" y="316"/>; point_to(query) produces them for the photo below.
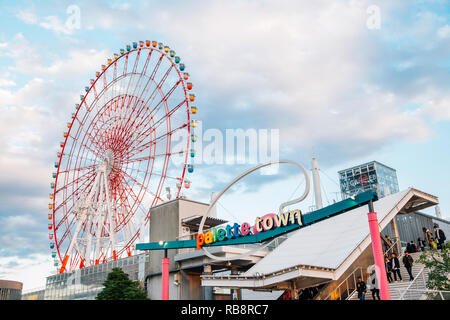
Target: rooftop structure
<point x="368" y="176"/>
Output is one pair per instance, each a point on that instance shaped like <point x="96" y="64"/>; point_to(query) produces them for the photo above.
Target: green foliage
<point x="119" y="287"/>
<point x="437" y="261"/>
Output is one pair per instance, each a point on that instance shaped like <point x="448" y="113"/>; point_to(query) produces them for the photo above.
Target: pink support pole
<point x="165" y="279"/>
<point x="378" y="256"/>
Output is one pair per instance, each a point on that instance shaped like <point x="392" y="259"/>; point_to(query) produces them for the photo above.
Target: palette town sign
<point x="268" y="222"/>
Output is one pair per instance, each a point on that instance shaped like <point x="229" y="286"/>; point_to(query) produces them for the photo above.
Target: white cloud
<point x="292" y="62"/>
<point x="444" y="32"/>
<point x="438" y="109"/>
<point x="29" y="59"/>
<point x="28" y="16"/>
<point x="6" y="83"/>
<point x="31" y="271"/>
<point x="53" y="23"/>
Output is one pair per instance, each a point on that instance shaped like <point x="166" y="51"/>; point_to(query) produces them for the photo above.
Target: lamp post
<point x="378" y="253"/>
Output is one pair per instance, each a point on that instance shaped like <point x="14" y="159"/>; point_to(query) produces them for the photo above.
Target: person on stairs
<point x="428" y="236"/>
<point x="361" y="288"/>
<point x="440" y="236"/>
<point x="395" y="265"/>
<point x="408" y="263"/>
<point x="421" y="244"/>
<point x="387" y="265"/>
<point x="374" y="287"/>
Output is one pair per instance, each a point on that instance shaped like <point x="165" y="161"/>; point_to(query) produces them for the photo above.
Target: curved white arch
<point x="282" y="206"/>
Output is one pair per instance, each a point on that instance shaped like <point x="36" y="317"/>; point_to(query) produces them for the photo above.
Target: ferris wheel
<point x="127" y="148"/>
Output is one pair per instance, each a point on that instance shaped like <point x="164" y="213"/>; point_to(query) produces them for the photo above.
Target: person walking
<point x="428" y="236"/>
<point x="361" y="288"/>
<point x="421" y="244"/>
<point x="408" y="247"/>
<point x="374" y="287"/>
<point x="408" y="263"/>
<point x="387" y="265"/>
<point x="413" y="247"/>
<point x="439" y="235"/>
<point x="395" y="265"/>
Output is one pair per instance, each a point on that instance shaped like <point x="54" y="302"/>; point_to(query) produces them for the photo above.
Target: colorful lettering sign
<point x="265" y="223"/>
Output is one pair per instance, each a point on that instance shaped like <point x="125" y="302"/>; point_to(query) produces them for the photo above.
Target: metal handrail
<point x="33" y="290"/>
<point x="408" y="288"/>
<point x="429" y="291"/>
<point x="392" y="246"/>
<point x="345" y="281"/>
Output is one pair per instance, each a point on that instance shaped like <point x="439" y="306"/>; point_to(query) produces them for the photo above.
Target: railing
<point x="346" y="290"/>
<point x="33" y="290"/>
<point x="392" y="249"/>
<point x="343" y="293"/>
<point x="424" y="294"/>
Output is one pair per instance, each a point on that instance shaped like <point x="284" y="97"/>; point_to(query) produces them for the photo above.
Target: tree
<point x="118" y="286"/>
<point x="438" y="262"/>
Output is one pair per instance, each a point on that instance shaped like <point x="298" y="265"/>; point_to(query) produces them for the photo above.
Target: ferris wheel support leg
<point x="97" y="249"/>
<point x="72" y="243"/>
<point x="111" y="220"/>
<point x="63" y="267"/>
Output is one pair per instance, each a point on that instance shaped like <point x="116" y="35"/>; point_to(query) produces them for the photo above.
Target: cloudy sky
<point x="344" y="81"/>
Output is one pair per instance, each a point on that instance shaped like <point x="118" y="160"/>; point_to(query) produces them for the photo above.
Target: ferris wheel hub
<point x="107" y="163"/>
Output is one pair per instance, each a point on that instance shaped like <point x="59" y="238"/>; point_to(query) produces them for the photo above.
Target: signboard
<point x="268" y="222"/>
<point x="265" y="228"/>
<point x="356" y="183"/>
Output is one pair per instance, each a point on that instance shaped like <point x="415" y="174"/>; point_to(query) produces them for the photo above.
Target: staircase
<point x="397" y="288"/>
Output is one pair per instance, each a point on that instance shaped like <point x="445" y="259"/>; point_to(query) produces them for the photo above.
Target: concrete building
<point x="10" y="290"/>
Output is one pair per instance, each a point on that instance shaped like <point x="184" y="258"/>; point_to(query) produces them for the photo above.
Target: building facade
<point x="10" y="290"/>
<point x="410" y="226"/>
<point x="368" y="176"/>
<point x="86" y="283"/>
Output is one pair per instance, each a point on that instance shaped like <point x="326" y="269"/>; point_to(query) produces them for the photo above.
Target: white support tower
<point x="213" y="210"/>
<point x="316" y="182"/>
<point x="438" y="212"/>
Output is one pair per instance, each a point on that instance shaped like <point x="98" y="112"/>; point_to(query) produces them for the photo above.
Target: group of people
<point x="435" y="242"/>
<point x="392" y="265"/>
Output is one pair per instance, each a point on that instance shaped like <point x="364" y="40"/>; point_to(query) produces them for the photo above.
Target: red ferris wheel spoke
<point x="152" y="76"/>
<point x="152" y="157"/>
<point x="80" y="178"/>
<point x="74" y="193"/>
<point x="138" y="149"/>
<point x="161" y="120"/>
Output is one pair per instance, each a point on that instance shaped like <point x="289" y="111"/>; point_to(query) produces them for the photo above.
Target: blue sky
<point x="334" y="88"/>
